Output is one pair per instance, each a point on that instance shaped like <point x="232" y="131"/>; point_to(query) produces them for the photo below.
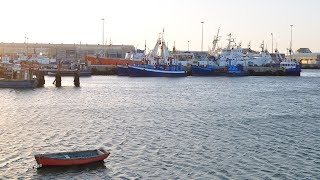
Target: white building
<point x="307" y="58"/>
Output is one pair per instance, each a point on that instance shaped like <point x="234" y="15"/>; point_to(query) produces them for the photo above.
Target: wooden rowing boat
<point x="71" y="158"/>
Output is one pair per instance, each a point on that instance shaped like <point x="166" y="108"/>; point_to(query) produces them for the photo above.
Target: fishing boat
<point x="122" y="70"/>
<point x="229" y="62"/>
<point x="159" y="63"/>
<point x="132" y="57"/>
<point x="290" y="68"/>
<point x="17" y="83"/>
<point x="237" y="70"/>
<point x="208" y="70"/>
<point x="156" y="71"/>
<point x="71" y="158"/>
<point x="12" y="76"/>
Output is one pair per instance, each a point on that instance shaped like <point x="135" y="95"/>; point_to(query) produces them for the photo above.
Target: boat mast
<point x="262" y="46"/>
<point x="215" y="41"/>
<point x="230" y="40"/>
<point x="162" y="44"/>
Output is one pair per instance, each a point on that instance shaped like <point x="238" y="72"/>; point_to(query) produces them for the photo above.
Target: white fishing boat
<point x="159" y="63"/>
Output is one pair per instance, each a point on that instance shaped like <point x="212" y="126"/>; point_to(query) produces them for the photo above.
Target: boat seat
<point x="99" y="152"/>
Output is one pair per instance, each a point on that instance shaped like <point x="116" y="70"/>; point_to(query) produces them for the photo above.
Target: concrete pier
<point x="58" y="76"/>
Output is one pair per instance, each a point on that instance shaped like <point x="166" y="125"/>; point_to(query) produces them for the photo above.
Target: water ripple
<point x="162" y="128"/>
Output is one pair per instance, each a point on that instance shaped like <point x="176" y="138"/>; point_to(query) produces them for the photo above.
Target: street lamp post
<point x="188" y="45"/>
<point x="290" y="50"/>
<point x="271" y="42"/>
<point x="202" y="37"/>
<point x="103" y="36"/>
<point x="102" y="31"/>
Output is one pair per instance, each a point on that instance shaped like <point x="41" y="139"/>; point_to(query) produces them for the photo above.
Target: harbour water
<point x="166" y="128"/>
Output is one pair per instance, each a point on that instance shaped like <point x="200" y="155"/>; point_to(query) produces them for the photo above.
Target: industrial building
<point x="61" y="52"/>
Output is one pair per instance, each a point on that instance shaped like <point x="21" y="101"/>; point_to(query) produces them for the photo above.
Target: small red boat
<point x="71" y="158"/>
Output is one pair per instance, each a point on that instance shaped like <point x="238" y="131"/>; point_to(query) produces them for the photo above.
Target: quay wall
<point x="252" y="70"/>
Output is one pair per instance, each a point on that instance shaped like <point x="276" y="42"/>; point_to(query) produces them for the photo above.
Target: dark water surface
<point x="166" y="128"/>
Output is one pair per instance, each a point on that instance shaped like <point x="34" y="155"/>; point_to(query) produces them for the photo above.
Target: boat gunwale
<point x="104" y="153"/>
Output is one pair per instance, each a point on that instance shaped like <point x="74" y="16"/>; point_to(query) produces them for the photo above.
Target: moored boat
<point x="208" y="70"/>
<point x="133" y="57"/>
<point x="156" y="71"/>
<point x="17" y="83"/>
<point x="237" y="70"/>
<point x="13" y="76"/>
<point x="159" y="63"/>
<point x="122" y="70"/>
<point x="291" y="68"/>
<point x="71" y="158"/>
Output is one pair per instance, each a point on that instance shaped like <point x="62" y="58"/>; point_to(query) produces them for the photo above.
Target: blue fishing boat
<point x="122" y="70"/>
<point x="291" y="68"/>
<point x="156" y="71"/>
<point x="237" y="70"/>
<point x="208" y="70"/>
<point x="159" y="63"/>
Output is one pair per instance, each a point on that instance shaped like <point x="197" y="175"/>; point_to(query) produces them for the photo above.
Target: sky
<point x="135" y="22"/>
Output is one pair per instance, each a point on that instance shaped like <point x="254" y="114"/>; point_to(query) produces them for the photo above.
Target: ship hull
<point x="207" y="71"/>
<point x="122" y="70"/>
<point x="110" y="61"/>
<point x="18" y="83"/>
<point x="71" y="158"/>
<point x="293" y="72"/>
<point x="136" y="71"/>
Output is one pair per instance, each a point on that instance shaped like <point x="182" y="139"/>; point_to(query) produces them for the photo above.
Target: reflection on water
<point x="71" y="171"/>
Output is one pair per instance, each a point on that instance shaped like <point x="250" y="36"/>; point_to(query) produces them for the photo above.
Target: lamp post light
<point x="188" y="45"/>
<point x="202" y="37"/>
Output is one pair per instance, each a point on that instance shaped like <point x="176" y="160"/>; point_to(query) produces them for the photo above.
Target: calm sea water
<point x="166" y="128"/>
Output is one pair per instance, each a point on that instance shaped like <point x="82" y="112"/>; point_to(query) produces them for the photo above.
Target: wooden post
<point x="76" y="79"/>
<point x="58" y="79"/>
<point x="40" y="79"/>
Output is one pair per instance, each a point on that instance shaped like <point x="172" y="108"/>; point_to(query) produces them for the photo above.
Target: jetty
<point x="58" y="73"/>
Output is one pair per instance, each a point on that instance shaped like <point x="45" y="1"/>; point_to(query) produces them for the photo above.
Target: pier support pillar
<point x="40" y="79"/>
<point x="76" y="80"/>
<point x="58" y="80"/>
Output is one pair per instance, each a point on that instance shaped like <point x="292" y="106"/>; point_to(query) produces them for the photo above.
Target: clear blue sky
<point x="133" y="22"/>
